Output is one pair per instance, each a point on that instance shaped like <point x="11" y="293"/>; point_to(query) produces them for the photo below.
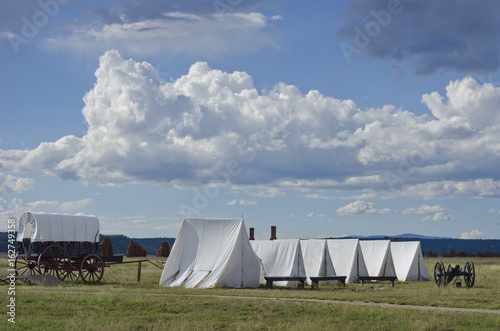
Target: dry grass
<point x="120" y="303"/>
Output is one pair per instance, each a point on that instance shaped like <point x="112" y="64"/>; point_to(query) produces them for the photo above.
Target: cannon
<point x="64" y="246"/>
<point x="443" y="277"/>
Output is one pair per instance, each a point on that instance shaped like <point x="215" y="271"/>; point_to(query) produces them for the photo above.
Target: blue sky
<point x="324" y="119"/>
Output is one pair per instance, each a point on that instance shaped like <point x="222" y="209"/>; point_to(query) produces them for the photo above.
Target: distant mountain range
<point x="428" y="243"/>
<point x="401" y="236"/>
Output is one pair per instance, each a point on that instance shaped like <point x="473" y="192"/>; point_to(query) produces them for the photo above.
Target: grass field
<point x="118" y="302"/>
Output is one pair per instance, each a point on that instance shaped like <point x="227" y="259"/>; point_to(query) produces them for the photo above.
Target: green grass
<point x="118" y="302"/>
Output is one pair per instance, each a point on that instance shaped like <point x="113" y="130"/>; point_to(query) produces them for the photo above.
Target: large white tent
<point x="409" y="261"/>
<point x="317" y="260"/>
<point x="280" y="258"/>
<point x="378" y="258"/>
<point x="347" y="258"/>
<point x="58" y="227"/>
<point x="212" y="253"/>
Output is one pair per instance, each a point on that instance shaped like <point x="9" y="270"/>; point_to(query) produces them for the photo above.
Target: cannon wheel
<point x="439" y="274"/>
<point x="54" y="261"/>
<point x="92" y="268"/>
<point x="25" y="267"/>
<point x="470" y="273"/>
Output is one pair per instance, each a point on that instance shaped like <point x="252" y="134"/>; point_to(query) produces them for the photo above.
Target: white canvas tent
<point x="347" y="258"/>
<point x="280" y="258"/>
<point x="58" y="227"/>
<point x="409" y="261"/>
<point x="378" y="258"/>
<point x="317" y="260"/>
<point x="212" y="253"/>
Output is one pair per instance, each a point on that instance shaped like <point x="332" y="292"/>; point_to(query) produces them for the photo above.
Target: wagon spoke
<point x="25" y="267"/>
<point x="73" y="274"/>
<point x="55" y="261"/>
<point x="92" y="268"/>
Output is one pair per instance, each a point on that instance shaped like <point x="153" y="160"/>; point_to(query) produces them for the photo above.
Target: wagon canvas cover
<point x="409" y="261"/>
<point x="58" y="227"/>
<point x="211" y="253"/>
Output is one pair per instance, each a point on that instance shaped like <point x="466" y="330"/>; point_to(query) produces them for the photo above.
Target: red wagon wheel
<point x="25" y="267"/>
<point x="74" y="272"/>
<point x="92" y="268"/>
<point x="54" y="261"/>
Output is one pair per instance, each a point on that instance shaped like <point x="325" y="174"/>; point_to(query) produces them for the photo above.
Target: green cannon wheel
<point x="439" y="274"/>
<point x="469" y="274"/>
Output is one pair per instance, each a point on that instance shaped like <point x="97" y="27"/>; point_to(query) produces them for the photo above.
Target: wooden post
<point x="139" y="272"/>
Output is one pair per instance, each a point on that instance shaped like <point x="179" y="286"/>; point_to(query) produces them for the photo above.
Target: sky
<point x="325" y="118"/>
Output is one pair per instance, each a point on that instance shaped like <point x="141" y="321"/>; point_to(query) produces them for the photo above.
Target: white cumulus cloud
<point x="361" y="207"/>
<point x="66" y="207"/>
<point x="313" y="214"/>
<point x="473" y="234"/>
<point x="435" y="213"/>
<point x="438" y="217"/>
<point x="424" y="209"/>
<point x="213" y="127"/>
<point x="241" y="202"/>
<point x="13" y="184"/>
<point x="493" y="211"/>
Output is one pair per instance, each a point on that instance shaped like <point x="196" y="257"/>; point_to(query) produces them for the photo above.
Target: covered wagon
<point x="64" y="246"/>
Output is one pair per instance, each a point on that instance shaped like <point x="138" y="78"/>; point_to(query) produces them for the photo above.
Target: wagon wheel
<point x="470" y="274"/>
<point x="54" y="261"/>
<point x="73" y="273"/>
<point x="92" y="268"/>
<point x="25" y="267"/>
<point x="439" y="274"/>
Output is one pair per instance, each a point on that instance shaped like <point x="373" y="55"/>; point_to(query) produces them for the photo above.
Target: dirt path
<point x="339" y="302"/>
<point x="380" y="305"/>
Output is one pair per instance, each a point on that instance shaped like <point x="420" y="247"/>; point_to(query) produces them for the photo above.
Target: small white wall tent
<point x="281" y="257"/>
<point x="409" y="261"/>
<point x="347" y="258"/>
<point x="58" y="227"/>
<point x="212" y="253"/>
<point x="378" y="258"/>
<point x="317" y="260"/>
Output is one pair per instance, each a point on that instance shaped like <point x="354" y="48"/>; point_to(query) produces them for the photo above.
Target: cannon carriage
<point x="453" y="273"/>
<point x="64" y="246"/>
